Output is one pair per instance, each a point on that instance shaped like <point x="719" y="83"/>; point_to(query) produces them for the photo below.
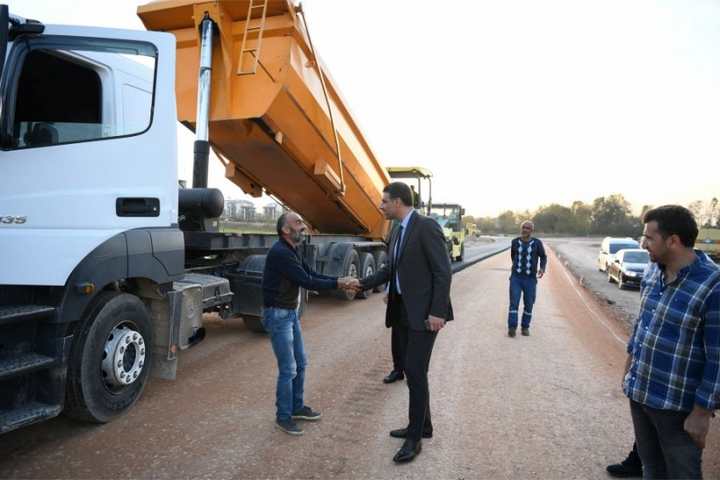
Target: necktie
<point x="398" y="241"/>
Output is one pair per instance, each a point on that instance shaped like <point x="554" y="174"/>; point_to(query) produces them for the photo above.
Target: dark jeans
<point x="418" y="345"/>
<point x="527" y="287"/>
<point x="665" y="448"/>
<point x="287" y="343"/>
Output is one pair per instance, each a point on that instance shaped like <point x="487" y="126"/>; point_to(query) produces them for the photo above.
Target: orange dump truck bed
<point x="269" y="119"/>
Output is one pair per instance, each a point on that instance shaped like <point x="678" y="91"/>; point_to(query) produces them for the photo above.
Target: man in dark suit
<point x="418" y="272"/>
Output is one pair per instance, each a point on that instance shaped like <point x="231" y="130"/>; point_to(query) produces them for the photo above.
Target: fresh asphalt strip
<point x="469" y="263"/>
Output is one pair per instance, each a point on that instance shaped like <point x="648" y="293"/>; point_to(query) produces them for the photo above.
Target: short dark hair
<point x="282" y="220"/>
<point x="399" y="190"/>
<point x="674" y="220"/>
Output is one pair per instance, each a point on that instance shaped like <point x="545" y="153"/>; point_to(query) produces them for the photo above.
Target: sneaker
<point x="289" y="427"/>
<point x="306" y="413"/>
<point x="525" y="332"/>
<point x="511" y="332"/>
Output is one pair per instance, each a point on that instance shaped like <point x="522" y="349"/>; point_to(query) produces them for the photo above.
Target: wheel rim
<point x="369" y="271"/>
<point x="353" y="271"/>
<point x="123" y="357"/>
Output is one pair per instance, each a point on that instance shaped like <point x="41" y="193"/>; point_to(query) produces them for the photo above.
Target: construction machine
<point x="108" y="267"/>
<point x="708" y="241"/>
<point x="448" y="215"/>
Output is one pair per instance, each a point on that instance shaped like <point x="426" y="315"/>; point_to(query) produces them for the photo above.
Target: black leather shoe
<point x="408" y="451"/>
<point x="393" y="376"/>
<point x="628" y="468"/>
<point x="525" y="332"/>
<point x="511" y="332"/>
<point x="402" y="433"/>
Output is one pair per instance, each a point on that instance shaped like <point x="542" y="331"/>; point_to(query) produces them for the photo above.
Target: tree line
<point x="611" y="215"/>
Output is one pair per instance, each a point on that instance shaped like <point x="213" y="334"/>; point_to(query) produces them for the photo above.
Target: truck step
<point x="15" y="313"/>
<point x="26" y="415"/>
<point x="25" y="363"/>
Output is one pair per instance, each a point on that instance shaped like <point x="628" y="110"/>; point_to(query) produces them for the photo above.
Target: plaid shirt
<point x="675" y="345"/>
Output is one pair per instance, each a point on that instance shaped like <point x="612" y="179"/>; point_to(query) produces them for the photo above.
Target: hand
<point x="697" y="425"/>
<point x="540" y="273"/>
<point x="349" y="283"/>
<point x="435" y="323"/>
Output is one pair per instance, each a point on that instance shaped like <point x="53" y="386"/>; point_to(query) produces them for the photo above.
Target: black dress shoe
<point x="402" y="433"/>
<point x="629" y="468"/>
<point x="393" y="376"/>
<point x="408" y="451"/>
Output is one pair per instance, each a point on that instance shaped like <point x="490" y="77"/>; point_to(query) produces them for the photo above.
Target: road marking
<point x="597" y="317"/>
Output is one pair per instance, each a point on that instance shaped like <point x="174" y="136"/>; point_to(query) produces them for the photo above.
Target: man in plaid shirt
<point x="673" y="369"/>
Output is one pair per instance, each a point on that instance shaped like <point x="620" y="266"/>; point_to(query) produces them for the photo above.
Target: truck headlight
<point x="631" y="274"/>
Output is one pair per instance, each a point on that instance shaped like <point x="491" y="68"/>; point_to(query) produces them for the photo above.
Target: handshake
<point x="351" y="284"/>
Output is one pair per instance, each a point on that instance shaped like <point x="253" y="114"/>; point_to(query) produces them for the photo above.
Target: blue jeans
<point x="287" y="343"/>
<point x="527" y="287"/>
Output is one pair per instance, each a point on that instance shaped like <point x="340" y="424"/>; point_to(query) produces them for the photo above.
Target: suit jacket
<point x="423" y="267"/>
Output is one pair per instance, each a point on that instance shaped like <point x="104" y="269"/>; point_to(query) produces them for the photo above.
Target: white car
<point x="609" y="247"/>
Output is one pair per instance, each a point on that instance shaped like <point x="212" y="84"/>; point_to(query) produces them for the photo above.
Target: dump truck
<point x="109" y="266"/>
<point x="448" y="215"/>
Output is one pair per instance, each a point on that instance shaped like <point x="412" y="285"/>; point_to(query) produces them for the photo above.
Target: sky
<point x="513" y="104"/>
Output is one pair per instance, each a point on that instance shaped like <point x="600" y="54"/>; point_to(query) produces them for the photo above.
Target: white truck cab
<point x="88" y="146"/>
<point x="92" y="256"/>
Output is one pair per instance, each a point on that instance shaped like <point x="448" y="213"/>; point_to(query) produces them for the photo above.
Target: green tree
<point x="612" y="216"/>
<point x="711" y="214"/>
<point x="697" y="208"/>
<point x="507" y="222"/>
<point x="487" y="225"/>
<point x="553" y="218"/>
<point x="582" y="218"/>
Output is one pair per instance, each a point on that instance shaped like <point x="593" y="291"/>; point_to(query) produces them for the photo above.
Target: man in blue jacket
<point x="285" y="272"/>
<point x="525" y="251"/>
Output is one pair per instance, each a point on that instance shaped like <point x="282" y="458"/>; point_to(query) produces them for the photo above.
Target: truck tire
<point x="351" y="268"/>
<point x="380" y="261"/>
<point x="367" y="269"/>
<point x="254" y="323"/>
<point x="109" y="363"/>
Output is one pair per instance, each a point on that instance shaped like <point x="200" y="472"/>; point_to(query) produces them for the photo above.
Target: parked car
<point x="628" y="267"/>
<point x="609" y="247"/>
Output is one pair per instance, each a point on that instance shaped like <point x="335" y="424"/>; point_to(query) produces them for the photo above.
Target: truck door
<point x="88" y="137"/>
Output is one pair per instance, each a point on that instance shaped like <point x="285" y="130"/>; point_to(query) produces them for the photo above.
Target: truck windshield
<point x="447" y="217"/>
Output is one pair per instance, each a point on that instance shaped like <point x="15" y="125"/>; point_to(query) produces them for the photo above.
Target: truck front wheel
<point x="110" y="360"/>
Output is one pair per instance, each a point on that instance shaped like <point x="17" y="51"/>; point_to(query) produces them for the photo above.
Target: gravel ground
<point x="548" y="406"/>
<point x="579" y="255"/>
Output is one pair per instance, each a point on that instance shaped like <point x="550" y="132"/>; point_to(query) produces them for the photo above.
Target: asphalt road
<point x="544" y="406"/>
<point x="478" y="250"/>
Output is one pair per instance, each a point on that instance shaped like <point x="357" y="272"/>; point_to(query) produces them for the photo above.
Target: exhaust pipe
<point x="202" y="145"/>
